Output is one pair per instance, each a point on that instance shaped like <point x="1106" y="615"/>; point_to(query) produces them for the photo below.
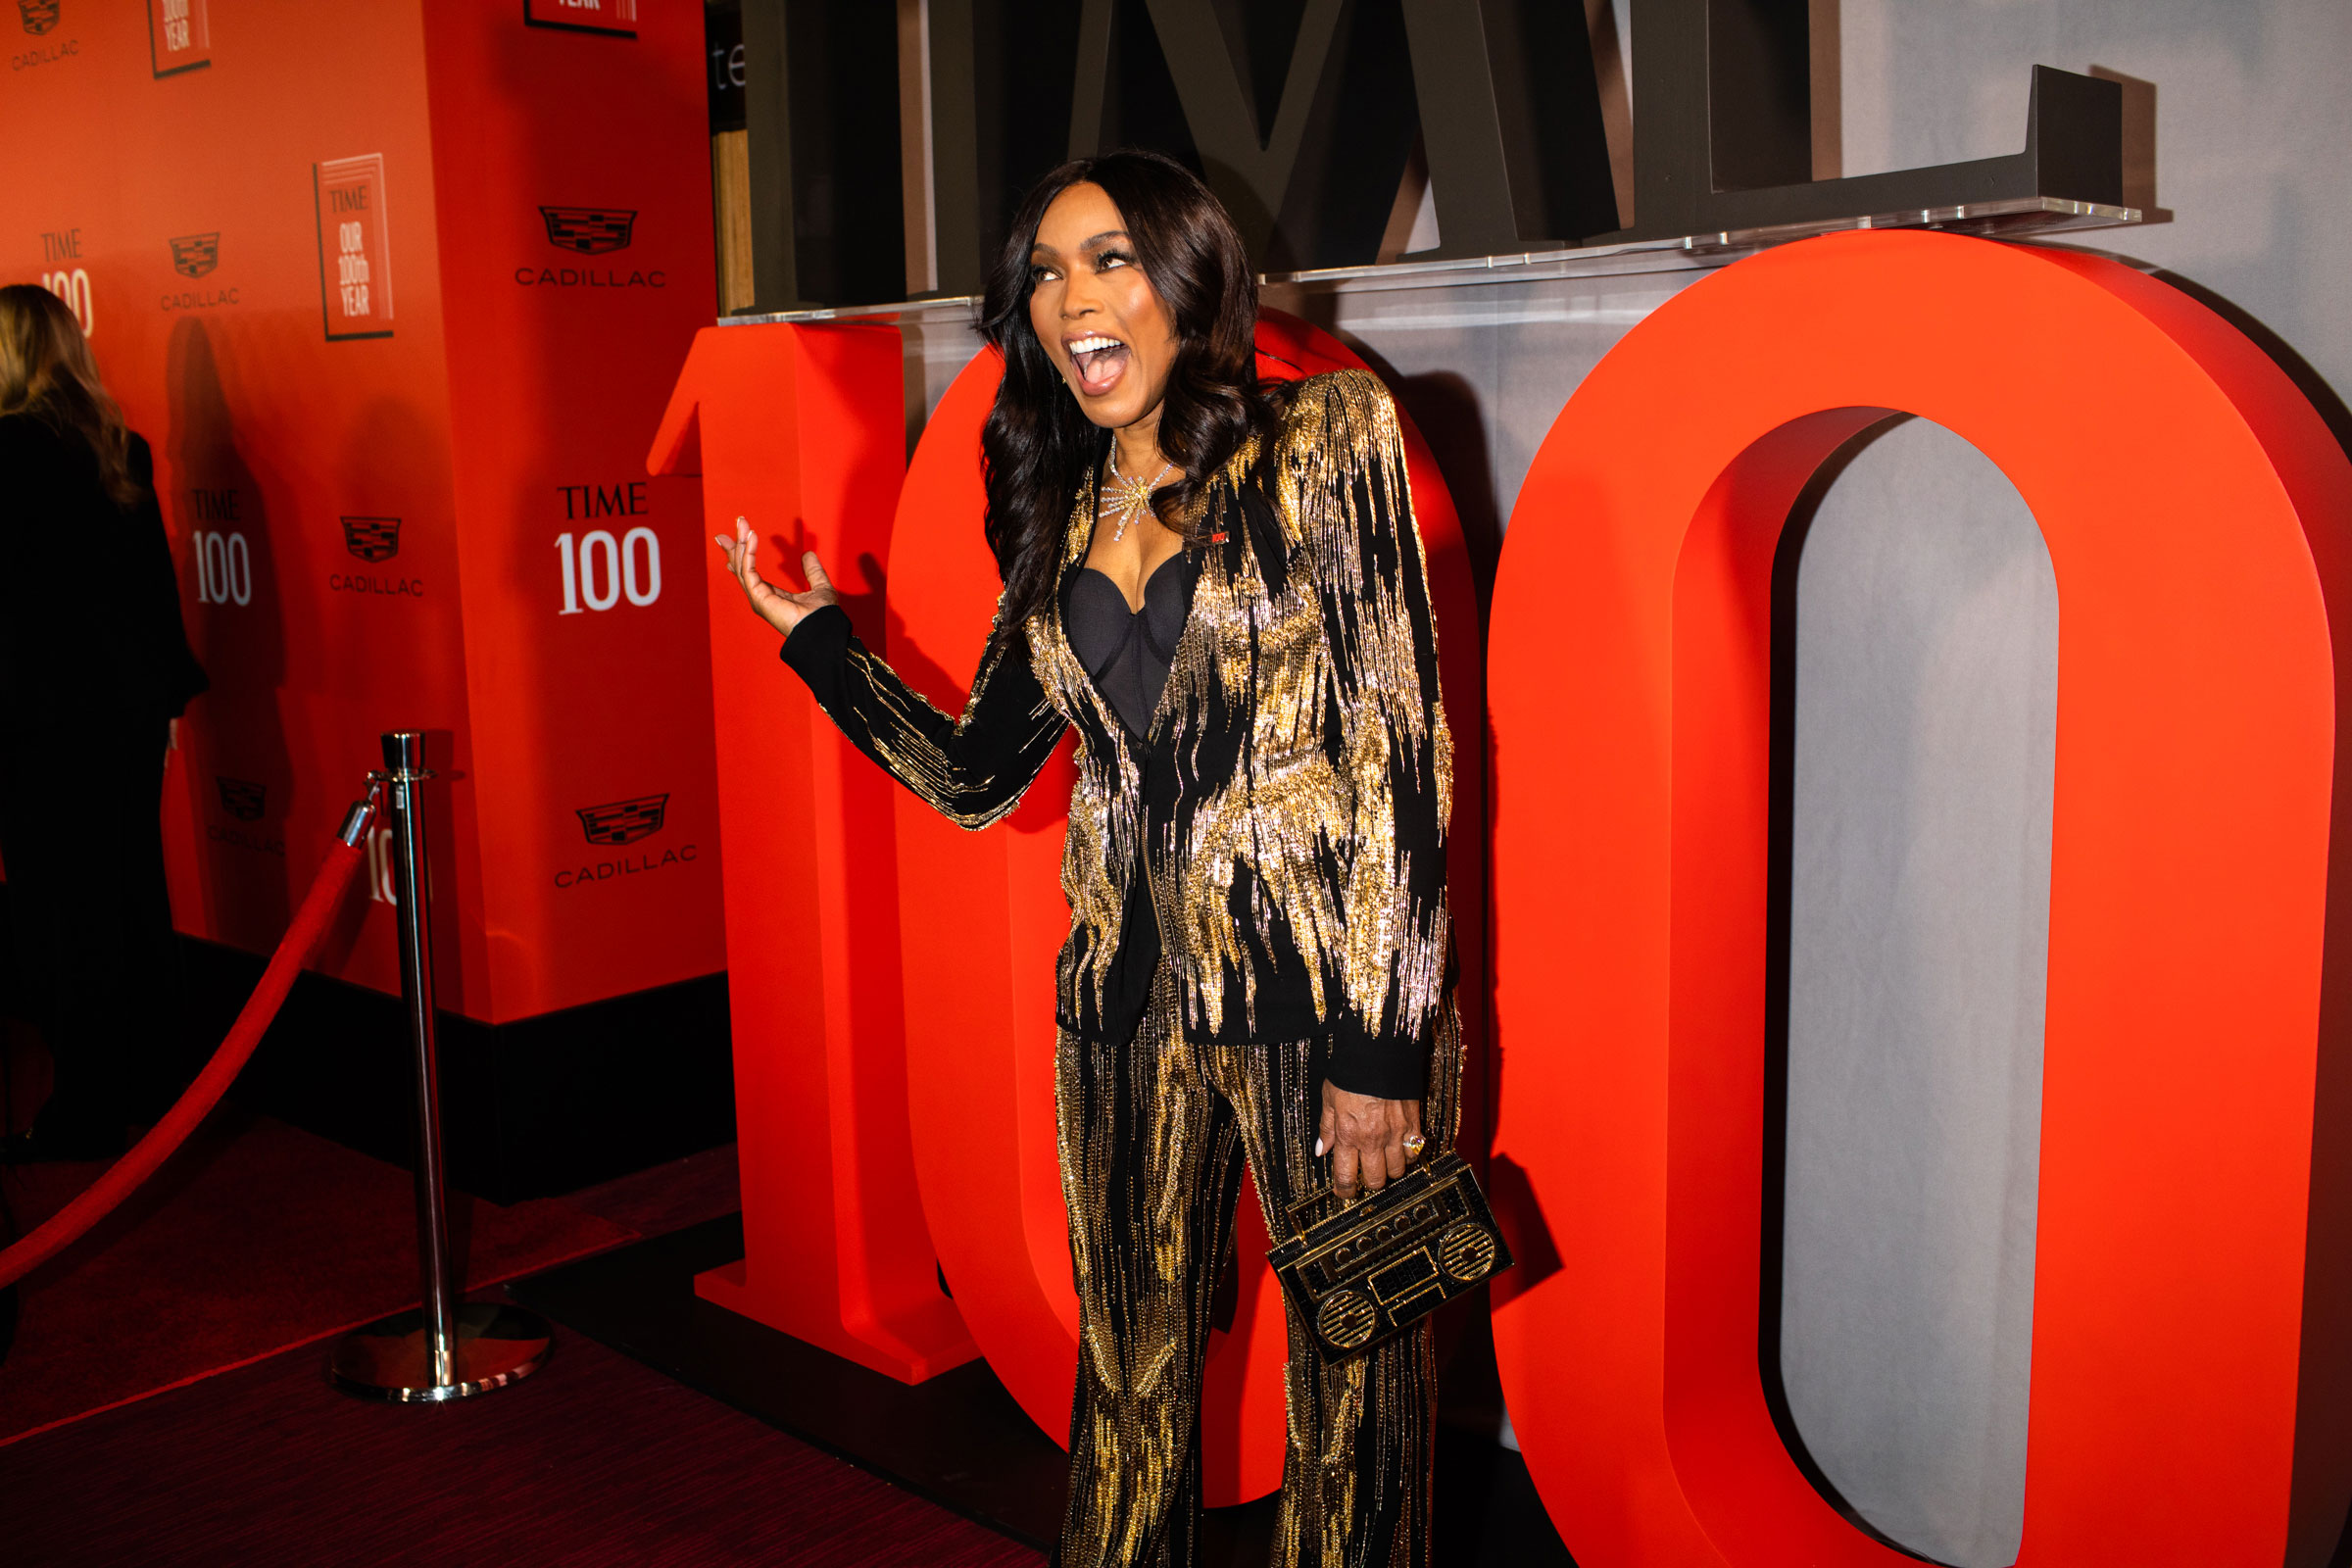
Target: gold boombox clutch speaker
<point x="1376" y="1267"/>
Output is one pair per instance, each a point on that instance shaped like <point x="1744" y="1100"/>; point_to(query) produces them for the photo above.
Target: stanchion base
<point x="389" y="1359"/>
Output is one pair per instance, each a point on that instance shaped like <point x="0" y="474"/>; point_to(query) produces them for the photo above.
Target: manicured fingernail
<point x="1318" y="1149"/>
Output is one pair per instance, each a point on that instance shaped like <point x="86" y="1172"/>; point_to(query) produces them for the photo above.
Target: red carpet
<point x="254" y="1238"/>
<point x="596" y="1462"/>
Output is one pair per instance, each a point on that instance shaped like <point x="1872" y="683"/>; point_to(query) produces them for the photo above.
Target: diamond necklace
<point x="1128" y="499"/>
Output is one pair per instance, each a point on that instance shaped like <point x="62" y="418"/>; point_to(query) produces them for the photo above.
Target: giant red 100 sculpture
<point x="2191" y="1393"/>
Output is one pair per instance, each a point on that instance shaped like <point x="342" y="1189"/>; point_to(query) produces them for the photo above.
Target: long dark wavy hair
<point x="1038" y="446"/>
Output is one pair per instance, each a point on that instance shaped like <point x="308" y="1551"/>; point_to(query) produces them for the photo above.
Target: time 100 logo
<point x="602" y="568"/>
<point x="61" y="252"/>
<point x="224" y="561"/>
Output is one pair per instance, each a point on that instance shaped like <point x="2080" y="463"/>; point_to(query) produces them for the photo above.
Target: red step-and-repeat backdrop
<point x="396" y="292"/>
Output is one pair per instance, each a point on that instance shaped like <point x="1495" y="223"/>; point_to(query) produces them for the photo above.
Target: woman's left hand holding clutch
<point x="1371" y="1141"/>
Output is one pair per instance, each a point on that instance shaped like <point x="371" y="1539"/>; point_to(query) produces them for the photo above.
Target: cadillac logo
<point x="241" y="798"/>
<point x="623" y="821"/>
<point x="371" y="538"/>
<point x="589" y="230"/>
<point x="194" y="254"/>
<point x="39" y="15"/>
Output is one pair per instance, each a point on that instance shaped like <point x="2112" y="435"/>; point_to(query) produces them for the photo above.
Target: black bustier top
<point x="1128" y="652"/>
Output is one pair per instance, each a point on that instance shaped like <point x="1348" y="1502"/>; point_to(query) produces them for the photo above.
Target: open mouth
<point x="1099" y="362"/>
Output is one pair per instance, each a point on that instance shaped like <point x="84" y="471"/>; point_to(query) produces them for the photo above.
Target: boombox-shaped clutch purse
<point x="1360" y="1273"/>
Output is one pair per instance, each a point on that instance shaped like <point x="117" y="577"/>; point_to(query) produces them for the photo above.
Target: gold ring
<point x="1415" y="1143"/>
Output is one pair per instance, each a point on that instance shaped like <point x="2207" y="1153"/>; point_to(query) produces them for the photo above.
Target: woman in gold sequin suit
<point x="1217" y="582"/>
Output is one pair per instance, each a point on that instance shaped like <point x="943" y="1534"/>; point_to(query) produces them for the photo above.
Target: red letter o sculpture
<point x="2188" y="1387"/>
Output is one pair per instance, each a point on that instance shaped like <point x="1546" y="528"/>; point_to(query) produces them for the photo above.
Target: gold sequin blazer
<point x="1282" y="824"/>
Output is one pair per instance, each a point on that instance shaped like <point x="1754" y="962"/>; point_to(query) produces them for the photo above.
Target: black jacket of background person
<point x="90" y="629"/>
<point x="1282" y="828"/>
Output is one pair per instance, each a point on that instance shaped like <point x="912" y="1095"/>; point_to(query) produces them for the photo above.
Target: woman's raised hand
<point x="769" y="603"/>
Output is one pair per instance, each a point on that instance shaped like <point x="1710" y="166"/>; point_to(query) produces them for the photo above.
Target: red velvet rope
<point x="69" y="1223"/>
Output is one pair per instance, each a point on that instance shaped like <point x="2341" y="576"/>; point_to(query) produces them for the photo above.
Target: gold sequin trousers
<point x="1153" y="1136"/>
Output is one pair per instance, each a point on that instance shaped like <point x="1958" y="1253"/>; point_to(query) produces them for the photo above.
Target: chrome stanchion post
<point x="403" y="773"/>
<point x="444" y="1349"/>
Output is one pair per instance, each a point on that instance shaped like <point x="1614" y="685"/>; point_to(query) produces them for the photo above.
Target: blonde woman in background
<point x="94" y="672"/>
